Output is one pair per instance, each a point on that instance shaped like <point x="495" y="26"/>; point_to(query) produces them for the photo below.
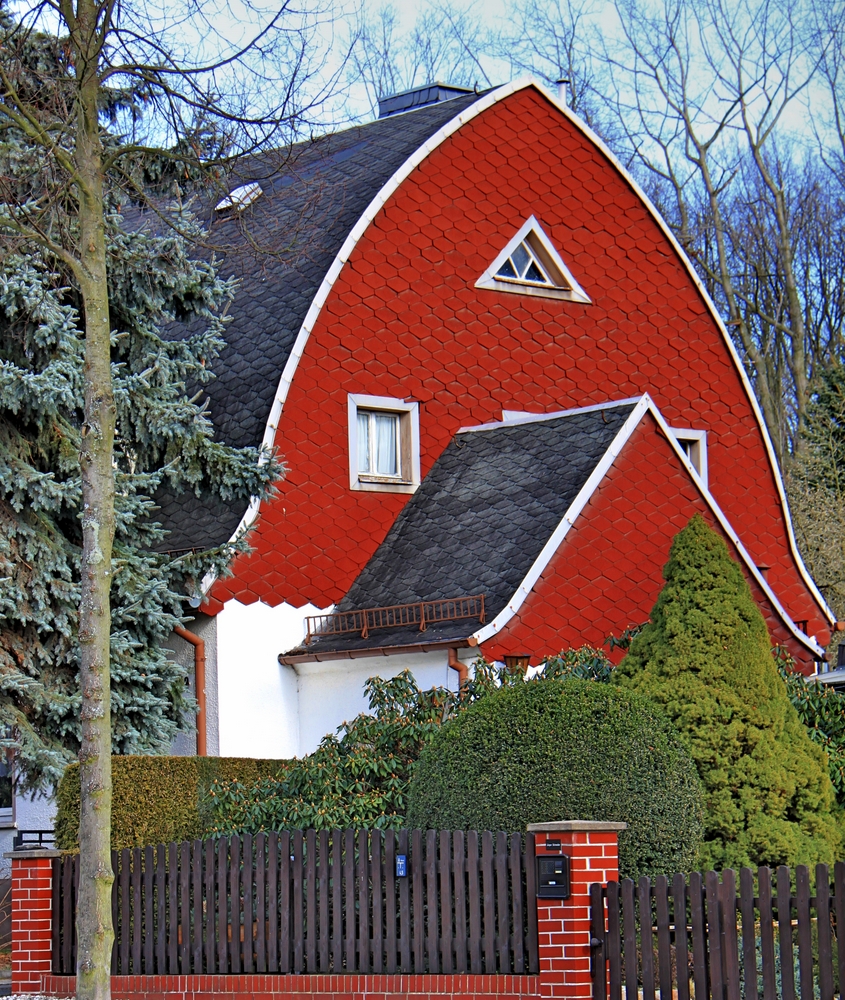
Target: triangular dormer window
<point x="531" y="265"/>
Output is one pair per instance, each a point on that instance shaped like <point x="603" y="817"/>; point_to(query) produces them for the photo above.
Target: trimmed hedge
<point x="569" y="749"/>
<point x="156" y="800"/>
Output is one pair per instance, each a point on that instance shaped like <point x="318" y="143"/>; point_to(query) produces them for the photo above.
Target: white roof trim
<point x="511" y="417"/>
<point x="644" y="405"/>
<point x="570" y="291"/>
<point x="379" y="201"/>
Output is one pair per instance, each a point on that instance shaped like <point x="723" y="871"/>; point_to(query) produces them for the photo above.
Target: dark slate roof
<point x="477" y="523"/>
<point x="314" y="193"/>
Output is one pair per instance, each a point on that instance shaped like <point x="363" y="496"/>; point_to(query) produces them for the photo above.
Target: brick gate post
<point x="563" y="925"/>
<point x="32" y="918"/>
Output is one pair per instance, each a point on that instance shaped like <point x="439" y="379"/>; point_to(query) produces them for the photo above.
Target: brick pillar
<point x="563" y="925"/>
<point x="32" y="918"/>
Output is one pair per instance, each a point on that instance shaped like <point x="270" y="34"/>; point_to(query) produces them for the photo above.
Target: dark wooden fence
<point x="716" y="943"/>
<point x="316" y="902"/>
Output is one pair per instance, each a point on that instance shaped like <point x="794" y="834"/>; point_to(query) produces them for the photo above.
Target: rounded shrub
<point x="557" y="750"/>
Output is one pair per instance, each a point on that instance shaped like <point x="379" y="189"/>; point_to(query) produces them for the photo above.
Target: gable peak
<point x="531" y="265"/>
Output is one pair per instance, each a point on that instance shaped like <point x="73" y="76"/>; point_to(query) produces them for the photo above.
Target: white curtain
<point x="364" y="442"/>
<point x="386" y="427"/>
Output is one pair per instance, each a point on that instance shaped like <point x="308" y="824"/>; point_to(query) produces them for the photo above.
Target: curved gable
<point x="397" y="314"/>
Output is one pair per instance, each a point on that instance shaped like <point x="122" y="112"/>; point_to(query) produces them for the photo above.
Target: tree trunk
<point x="95" y="933"/>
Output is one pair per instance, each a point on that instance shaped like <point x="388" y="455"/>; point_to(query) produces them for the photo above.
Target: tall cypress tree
<point x="706" y="658"/>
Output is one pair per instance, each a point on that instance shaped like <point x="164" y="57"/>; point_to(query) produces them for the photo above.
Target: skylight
<point x="523" y="265"/>
<point x="240" y="197"/>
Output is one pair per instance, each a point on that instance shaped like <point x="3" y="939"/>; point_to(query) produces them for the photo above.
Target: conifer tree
<point x="706" y="659"/>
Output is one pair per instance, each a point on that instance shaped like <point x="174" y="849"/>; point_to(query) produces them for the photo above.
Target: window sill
<point x="384" y="486"/>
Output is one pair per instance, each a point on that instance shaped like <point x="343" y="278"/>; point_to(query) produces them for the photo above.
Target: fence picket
<point x="68" y="916"/>
<point x="613" y="949"/>
<point x="115" y="912"/>
<point x="646" y="940"/>
<point x="147" y="933"/>
<point x="679" y="913"/>
<point x="259" y="849"/>
<point x="531" y="903"/>
<point x="459" y="875"/>
<point x="390" y="935"/>
<point x="337" y="902"/>
<point x="323" y="900"/>
<point x="475" y="965"/>
<point x="730" y="952"/>
<point x="502" y="900"/>
<point x="431" y="900"/>
<point x="784" y="912"/>
<point x="767" y="933"/>
<point x="629" y="921"/>
<point x="749" y="944"/>
<point x="311" y="901"/>
<point x="418" y="901"/>
<point x="363" y="902"/>
<point x="839" y="899"/>
<point x="285" y="943"/>
<point x="377" y="901"/>
<point x="714" y="934"/>
<point x="664" y="939"/>
<point x="137" y="915"/>
<point x="515" y="909"/>
<point x="489" y="902"/>
<point x="197" y="923"/>
<point x="805" y="939"/>
<point x="825" y="943"/>
<point x="296" y="901"/>
<point x="221" y="867"/>
<point x="273" y="903"/>
<point x="699" y="941"/>
<point x="404" y="907"/>
<point x="246" y="904"/>
<point x="349" y="899"/>
<point x="210" y="908"/>
<point x="235" y="904"/>
<point x="445" y="902"/>
<point x="185" y="914"/>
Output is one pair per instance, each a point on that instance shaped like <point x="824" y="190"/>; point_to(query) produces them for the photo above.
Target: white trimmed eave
<point x="644" y="405"/>
<point x="390" y="187"/>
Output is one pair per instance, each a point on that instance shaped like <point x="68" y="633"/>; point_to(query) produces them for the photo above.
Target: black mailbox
<point x="553" y="876"/>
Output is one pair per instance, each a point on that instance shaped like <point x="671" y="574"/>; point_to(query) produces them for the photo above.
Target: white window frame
<point x="694" y="444"/>
<point x="409" y="444"/>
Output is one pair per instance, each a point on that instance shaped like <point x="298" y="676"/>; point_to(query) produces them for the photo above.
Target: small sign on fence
<point x="401" y="866"/>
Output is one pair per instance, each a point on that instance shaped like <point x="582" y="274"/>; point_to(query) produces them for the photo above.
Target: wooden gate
<point x="714" y="943"/>
<point x="338" y="901"/>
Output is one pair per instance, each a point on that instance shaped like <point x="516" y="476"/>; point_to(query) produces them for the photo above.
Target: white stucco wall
<point x="267" y="710"/>
<point x="258" y="700"/>
<point x="332" y="691"/>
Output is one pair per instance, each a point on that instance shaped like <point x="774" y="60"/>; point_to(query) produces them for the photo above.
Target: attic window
<point x="522" y="265"/>
<point x="530" y="265"/>
<point x="384" y="444"/>
<point x="694" y="446"/>
<point x="240" y="197"/>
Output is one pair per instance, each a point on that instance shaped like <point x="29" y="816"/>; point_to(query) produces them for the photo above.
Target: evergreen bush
<point x="157" y="800"/>
<point x="706" y="659"/>
<point x="564" y="749"/>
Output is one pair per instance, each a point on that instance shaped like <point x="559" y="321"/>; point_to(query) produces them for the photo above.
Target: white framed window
<point x="694" y="445"/>
<point x="384" y="444"/>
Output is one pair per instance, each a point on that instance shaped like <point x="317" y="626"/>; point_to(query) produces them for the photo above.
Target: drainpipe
<point x="457" y="665"/>
<point x="199" y="681"/>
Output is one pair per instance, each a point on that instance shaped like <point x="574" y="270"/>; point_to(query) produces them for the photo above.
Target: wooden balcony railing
<point x="421" y="614"/>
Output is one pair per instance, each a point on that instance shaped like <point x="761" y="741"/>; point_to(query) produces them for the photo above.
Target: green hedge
<point x="554" y="750"/>
<point x="157" y="800"/>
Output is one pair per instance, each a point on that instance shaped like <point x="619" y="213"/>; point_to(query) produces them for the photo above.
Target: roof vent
<point x="240" y="197"/>
<point x="419" y="97"/>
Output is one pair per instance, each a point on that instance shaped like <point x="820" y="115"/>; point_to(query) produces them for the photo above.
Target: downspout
<point x="199" y="683"/>
<point x="457" y="665"/>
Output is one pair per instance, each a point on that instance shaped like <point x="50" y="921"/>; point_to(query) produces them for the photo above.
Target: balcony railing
<point x="421" y="614"/>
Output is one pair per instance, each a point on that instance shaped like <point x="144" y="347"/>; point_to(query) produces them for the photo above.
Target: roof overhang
<point x="357" y="654"/>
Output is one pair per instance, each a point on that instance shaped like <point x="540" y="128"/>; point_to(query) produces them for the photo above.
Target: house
<point x="499" y="389"/>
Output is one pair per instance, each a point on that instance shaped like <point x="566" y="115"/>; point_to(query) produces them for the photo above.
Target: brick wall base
<point x="465" y="987"/>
